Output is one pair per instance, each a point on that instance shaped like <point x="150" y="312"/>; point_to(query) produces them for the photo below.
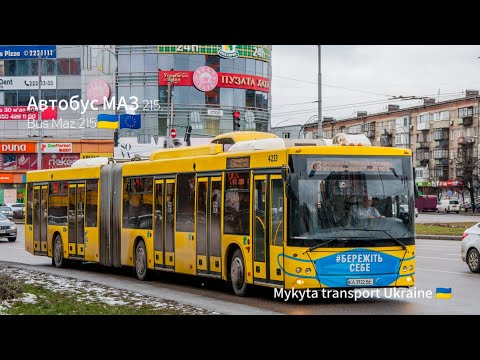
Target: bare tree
<point x="467" y="163"/>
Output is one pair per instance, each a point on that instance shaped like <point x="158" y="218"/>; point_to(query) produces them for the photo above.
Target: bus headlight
<point x="308" y="270"/>
<point x="298" y="270"/>
<point x="411" y="267"/>
<point x="404" y="268"/>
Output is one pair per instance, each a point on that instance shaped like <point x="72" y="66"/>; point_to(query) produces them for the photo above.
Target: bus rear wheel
<point x="141" y="269"/>
<point x="58" y="259"/>
<point x="237" y="274"/>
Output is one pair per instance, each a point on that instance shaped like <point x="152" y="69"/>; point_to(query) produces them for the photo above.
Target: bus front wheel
<point x="237" y="274"/>
<point x="141" y="261"/>
<point x="58" y="259"/>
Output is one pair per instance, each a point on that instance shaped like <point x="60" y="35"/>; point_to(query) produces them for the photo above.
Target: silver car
<point x="7" y="229"/>
<point x="471" y="247"/>
<point x="7" y="211"/>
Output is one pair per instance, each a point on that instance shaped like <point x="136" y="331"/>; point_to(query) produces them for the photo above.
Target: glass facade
<point x="138" y="75"/>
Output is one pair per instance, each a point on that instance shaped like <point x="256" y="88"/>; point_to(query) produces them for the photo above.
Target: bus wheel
<point x="237" y="274"/>
<point x="58" y="259"/>
<point x="141" y="261"/>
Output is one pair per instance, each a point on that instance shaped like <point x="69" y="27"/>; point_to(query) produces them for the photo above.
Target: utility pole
<point x="320" y="130"/>
<point x="39" y="151"/>
<point x="169" y="101"/>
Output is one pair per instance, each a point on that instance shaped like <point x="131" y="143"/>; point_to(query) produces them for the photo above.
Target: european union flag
<point x="444" y="293"/>
<point x="107" y="121"/>
<point x="128" y="121"/>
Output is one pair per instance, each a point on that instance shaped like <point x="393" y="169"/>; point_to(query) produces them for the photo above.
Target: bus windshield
<point x="352" y="201"/>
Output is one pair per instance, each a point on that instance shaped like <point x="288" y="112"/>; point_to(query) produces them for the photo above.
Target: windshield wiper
<point x="325" y="243"/>
<point x="385" y="232"/>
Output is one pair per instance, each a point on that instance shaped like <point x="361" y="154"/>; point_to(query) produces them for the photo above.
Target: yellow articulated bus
<point x="250" y="208"/>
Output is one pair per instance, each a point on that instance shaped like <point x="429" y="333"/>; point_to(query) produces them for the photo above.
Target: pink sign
<point x="56" y="161"/>
<point x="205" y="78"/>
<point x="98" y="90"/>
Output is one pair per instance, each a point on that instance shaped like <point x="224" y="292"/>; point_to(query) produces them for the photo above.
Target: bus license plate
<point x="359" y="281"/>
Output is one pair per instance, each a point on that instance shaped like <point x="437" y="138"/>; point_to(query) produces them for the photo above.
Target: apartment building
<point x="440" y="134"/>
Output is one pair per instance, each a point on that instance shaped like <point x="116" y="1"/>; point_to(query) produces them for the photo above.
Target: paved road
<point x="438" y="265"/>
<point x="433" y="218"/>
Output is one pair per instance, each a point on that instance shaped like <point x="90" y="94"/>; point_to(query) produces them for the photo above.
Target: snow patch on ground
<point x="86" y="291"/>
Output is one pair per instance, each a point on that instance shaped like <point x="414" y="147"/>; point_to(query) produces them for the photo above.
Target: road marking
<point x="450" y="272"/>
<point x="439" y="258"/>
<point x="452" y="254"/>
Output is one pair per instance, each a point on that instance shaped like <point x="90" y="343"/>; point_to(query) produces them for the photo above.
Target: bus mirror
<point x="284" y="174"/>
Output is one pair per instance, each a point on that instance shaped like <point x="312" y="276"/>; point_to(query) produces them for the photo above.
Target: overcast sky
<point x="376" y="72"/>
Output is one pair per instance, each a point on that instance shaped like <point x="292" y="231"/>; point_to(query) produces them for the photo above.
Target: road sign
<point x="449" y="193"/>
<point x="173" y="133"/>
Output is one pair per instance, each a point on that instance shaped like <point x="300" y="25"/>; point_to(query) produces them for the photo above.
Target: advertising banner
<point x="27" y="52"/>
<point x="56" y="161"/>
<point x="27" y="82"/>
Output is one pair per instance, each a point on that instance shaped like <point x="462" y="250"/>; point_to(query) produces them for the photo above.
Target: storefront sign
<point x="56" y="161"/>
<point x="424" y="183"/>
<point x="225" y="80"/>
<point x="6" y="178"/>
<point x="18" y="147"/>
<point x="56" y="147"/>
<point x="94" y="155"/>
<point x="27" y="82"/>
<point x="257" y="52"/>
<point x="22" y="113"/>
<point x="27" y="52"/>
<point x="205" y="78"/>
<point x="450" y="183"/>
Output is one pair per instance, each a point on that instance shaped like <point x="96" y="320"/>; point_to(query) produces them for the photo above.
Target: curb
<point x="439" y="237"/>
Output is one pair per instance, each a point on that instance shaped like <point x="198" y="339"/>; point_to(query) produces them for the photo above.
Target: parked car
<point x="18" y="210"/>
<point x="470" y="248"/>
<point x="449" y="205"/>
<point x="7" y="211"/>
<point x="7" y="228"/>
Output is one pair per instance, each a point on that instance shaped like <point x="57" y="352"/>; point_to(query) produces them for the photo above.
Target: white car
<point x="470" y="249"/>
<point x="449" y="205"/>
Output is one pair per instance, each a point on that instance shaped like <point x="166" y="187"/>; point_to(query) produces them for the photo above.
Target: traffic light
<point x="188" y="132"/>
<point x="236" y="120"/>
<point x="115" y="138"/>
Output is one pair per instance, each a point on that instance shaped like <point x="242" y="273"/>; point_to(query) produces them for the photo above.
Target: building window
<point x="286" y="135"/>
<point x="63" y="66"/>
<point x="465" y="112"/>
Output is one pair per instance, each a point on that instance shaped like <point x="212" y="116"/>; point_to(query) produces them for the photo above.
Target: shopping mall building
<point x="176" y="87"/>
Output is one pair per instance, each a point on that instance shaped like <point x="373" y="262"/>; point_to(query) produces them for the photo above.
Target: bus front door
<point x="209" y="202"/>
<point x="40" y="219"/>
<point x="76" y="220"/>
<point x="268" y="226"/>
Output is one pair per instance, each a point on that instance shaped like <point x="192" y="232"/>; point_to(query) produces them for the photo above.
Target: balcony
<point x="466" y="121"/>
<point x="423" y="125"/>
<point x="423" y="155"/>
<point x="440" y="134"/>
<point x="440" y="153"/>
<point x="423" y="145"/>
<point x="441" y="172"/>
<point x="467" y="140"/>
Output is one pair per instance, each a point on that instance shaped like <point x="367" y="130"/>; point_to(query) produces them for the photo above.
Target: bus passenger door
<point x="208" y="225"/>
<point x="169" y="233"/>
<point x="268" y="228"/>
<point x="276" y="226"/>
<point x="159" y="224"/>
<point x="76" y="220"/>
<point x="261" y="256"/>
<point x="40" y="219"/>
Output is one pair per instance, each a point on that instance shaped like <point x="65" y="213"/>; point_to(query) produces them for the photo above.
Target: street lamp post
<point x="281" y="122"/>
<point x="306" y="123"/>
<point x="320" y="125"/>
<point x="39" y="149"/>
